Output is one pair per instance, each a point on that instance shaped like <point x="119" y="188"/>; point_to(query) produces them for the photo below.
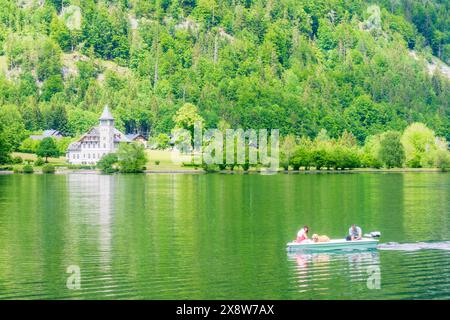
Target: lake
<point x="222" y="236"/>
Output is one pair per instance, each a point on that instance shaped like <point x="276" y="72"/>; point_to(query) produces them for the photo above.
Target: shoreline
<point x="261" y="172"/>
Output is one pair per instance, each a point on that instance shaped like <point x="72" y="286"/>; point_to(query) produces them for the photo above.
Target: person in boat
<point x="302" y="234"/>
<point x="354" y="233"/>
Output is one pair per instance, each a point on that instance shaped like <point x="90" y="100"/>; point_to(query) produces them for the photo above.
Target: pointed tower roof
<point x="106" y="115"/>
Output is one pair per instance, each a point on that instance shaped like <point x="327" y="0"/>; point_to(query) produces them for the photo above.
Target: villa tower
<point x="106" y="131"/>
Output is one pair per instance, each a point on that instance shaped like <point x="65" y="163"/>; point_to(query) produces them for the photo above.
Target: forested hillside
<point x="295" y="65"/>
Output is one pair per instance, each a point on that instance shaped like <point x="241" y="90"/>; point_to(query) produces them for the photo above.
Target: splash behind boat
<point x="336" y="244"/>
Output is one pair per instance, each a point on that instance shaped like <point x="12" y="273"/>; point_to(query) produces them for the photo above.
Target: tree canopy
<point x="299" y="66"/>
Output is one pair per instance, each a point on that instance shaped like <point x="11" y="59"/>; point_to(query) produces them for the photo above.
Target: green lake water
<point x="219" y="236"/>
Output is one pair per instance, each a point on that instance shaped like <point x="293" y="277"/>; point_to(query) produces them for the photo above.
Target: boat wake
<point x="440" y="245"/>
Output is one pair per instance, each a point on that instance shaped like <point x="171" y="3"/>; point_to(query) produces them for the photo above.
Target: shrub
<point x="157" y="162"/>
<point x="391" y="151"/>
<point x="284" y="164"/>
<point x="302" y="157"/>
<point x="163" y="141"/>
<point x="371" y="156"/>
<point x="28" y="168"/>
<point x="29" y="145"/>
<point x="48" y="168"/>
<point x="442" y="160"/>
<point x="209" y="167"/>
<point x="369" y="161"/>
<point x="319" y="158"/>
<point x="287" y="150"/>
<point x="17" y="169"/>
<point x="107" y="162"/>
<point x="190" y="164"/>
<point x="344" y="158"/>
<point x="4" y="158"/>
<point x="417" y="140"/>
<point x="39" y="162"/>
<point x="17" y="160"/>
<point x="245" y="166"/>
<point x="414" y="162"/>
<point x="132" y="157"/>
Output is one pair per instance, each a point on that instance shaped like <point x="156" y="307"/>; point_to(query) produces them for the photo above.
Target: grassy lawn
<point x="32" y="156"/>
<point x="163" y="156"/>
<point x="165" y="161"/>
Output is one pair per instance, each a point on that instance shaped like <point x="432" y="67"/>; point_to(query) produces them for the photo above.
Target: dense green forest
<point x="300" y="66"/>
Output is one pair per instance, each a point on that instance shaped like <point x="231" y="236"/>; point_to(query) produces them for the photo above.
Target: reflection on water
<point x="94" y="194"/>
<point x="318" y="270"/>
<point x="221" y="236"/>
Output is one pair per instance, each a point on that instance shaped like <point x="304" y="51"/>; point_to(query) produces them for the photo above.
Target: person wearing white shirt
<point x="354" y="233"/>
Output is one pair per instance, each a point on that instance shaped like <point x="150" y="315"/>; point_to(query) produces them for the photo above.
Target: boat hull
<point x="363" y="244"/>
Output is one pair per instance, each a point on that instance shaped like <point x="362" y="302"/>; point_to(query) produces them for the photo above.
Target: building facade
<point x="97" y="142"/>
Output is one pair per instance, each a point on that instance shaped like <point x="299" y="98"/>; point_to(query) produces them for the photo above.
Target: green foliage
<point x="29" y="145"/>
<point x="442" y="159"/>
<point x="370" y="152"/>
<point x="343" y="157"/>
<point x="12" y="129"/>
<point x="303" y="156"/>
<point x="39" y="162"/>
<point x="213" y="167"/>
<point x="28" y="168"/>
<point x="132" y="157"/>
<point x="51" y="86"/>
<point x="107" y="163"/>
<point x="49" y="61"/>
<point x="106" y="32"/>
<point x="47" y="148"/>
<point x="162" y="141"/>
<point x="48" y="168"/>
<point x="328" y="153"/>
<point x="5" y="150"/>
<point x="419" y="141"/>
<point x="298" y="66"/>
<point x="429" y="18"/>
<point x="391" y="151"/>
<point x="60" y="34"/>
<point x="362" y="116"/>
<point x="287" y="148"/>
<point x="80" y="121"/>
<point x="187" y="116"/>
<point x="17" y="160"/>
<point x="62" y="144"/>
<point x="56" y="116"/>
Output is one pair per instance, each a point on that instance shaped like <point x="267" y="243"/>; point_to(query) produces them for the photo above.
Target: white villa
<point x="98" y="141"/>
